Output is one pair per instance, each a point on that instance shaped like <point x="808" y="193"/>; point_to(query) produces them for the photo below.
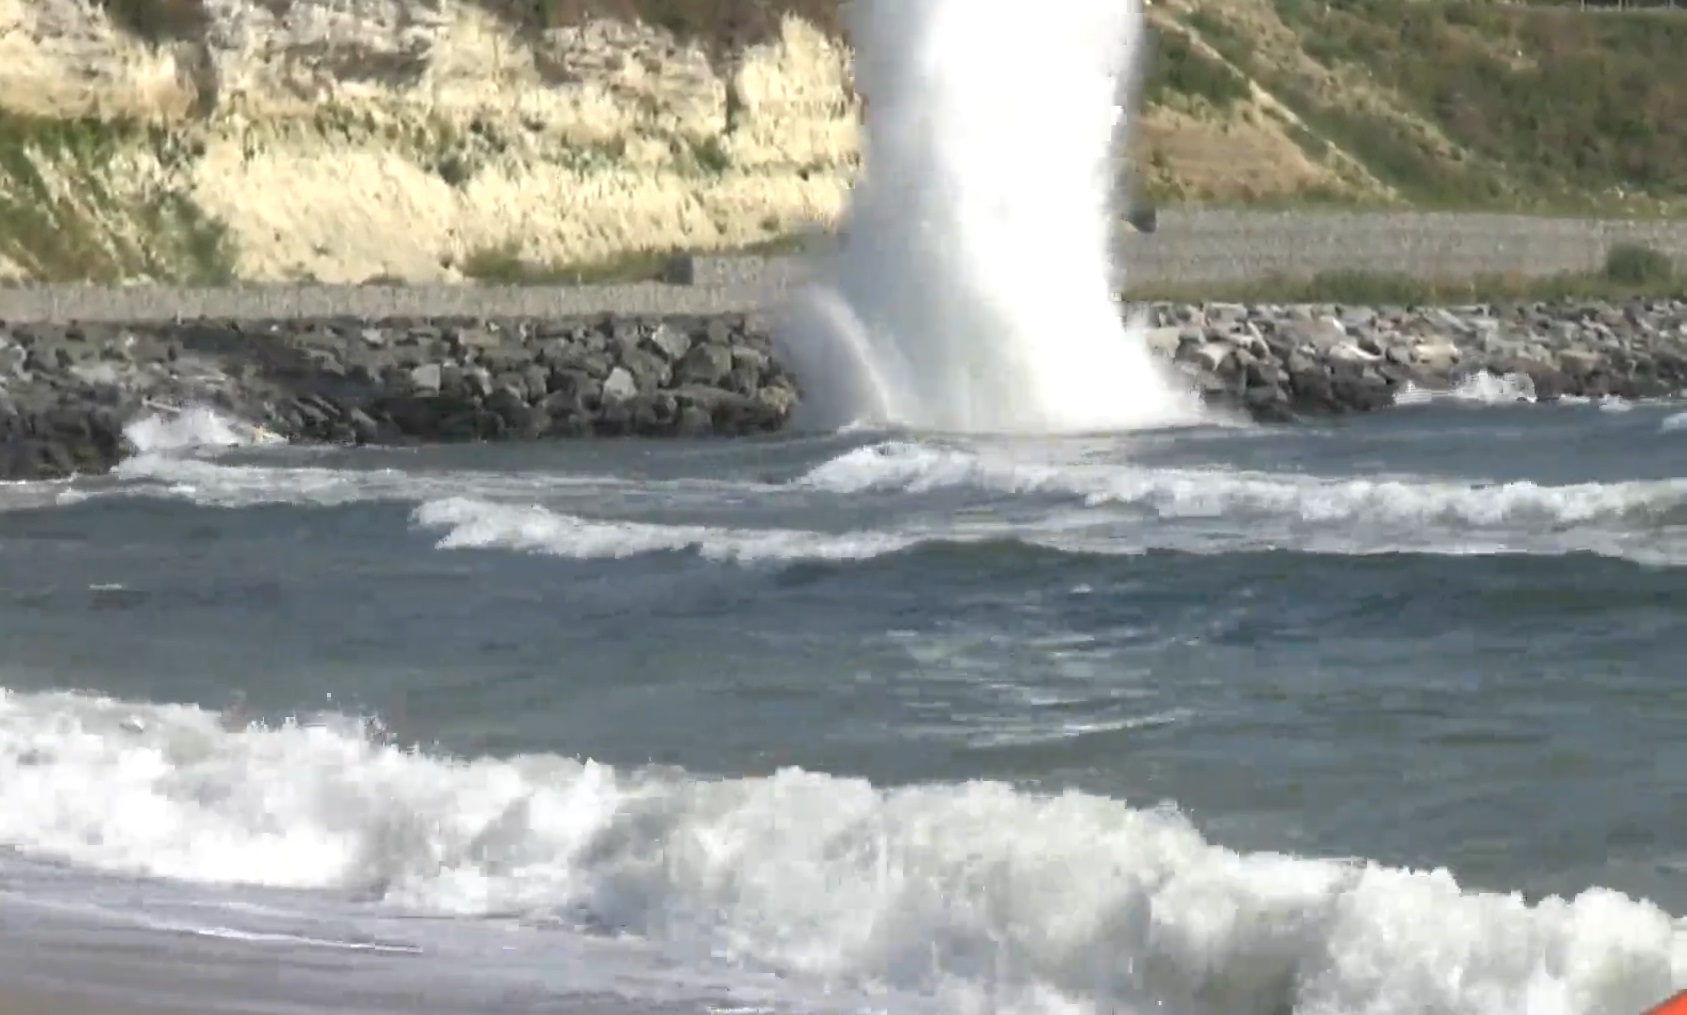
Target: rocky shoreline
<point x="67" y="391"/>
<point x="1284" y="362"/>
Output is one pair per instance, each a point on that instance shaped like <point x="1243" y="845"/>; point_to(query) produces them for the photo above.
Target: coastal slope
<point x="215" y="141"/>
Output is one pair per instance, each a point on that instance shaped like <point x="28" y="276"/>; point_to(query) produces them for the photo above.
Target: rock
<point x="1213" y="356"/>
<point x="1436" y="358"/>
<point x="779" y="401"/>
<point x="693" y="422"/>
<point x="363" y="426"/>
<point x="426" y="379"/>
<point x="1355" y="358"/>
<point x="1321" y="333"/>
<point x="1580" y="363"/>
<point x="469" y="340"/>
<point x="1268" y="403"/>
<point x="671" y="342"/>
<point x="706" y="364"/>
<point x="648" y="370"/>
<point x="619" y="387"/>
<point x="67" y="390"/>
<point x="1350" y="352"/>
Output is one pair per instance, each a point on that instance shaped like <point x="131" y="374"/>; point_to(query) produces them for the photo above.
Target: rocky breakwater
<point x="1283" y="362"/>
<point x="68" y="391"/>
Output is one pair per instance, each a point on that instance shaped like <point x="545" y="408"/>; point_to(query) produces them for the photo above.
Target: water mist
<point x="973" y="290"/>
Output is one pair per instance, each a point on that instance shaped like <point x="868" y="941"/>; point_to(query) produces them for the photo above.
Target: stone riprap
<point x="1280" y="362"/>
<point x="67" y="391"/>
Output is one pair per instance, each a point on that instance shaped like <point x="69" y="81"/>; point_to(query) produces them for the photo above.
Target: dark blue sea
<point x="1377" y="715"/>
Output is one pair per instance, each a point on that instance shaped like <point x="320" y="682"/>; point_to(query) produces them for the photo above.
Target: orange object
<point x="1676" y="1005"/>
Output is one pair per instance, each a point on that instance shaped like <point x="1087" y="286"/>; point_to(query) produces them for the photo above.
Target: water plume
<point x="973" y="291"/>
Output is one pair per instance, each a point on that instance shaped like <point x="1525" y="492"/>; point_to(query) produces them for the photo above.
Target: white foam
<point x="218" y="484"/>
<point x="163" y="441"/>
<point x="222" y="484"/>
<point x="195" y="427"/>
<point x="564" y="515"/>
<point x="1482" y="388"/>
<point x="974" y="290"/>
<point x="530" y="528"/>
<point x="985" y="897"/>
<point x="31" y="494"/>
<point x="1674" y="423"/>
<point x="1186" y="493"/>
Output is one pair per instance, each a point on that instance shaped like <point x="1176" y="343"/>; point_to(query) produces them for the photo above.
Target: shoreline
<point x="67" y="390"/>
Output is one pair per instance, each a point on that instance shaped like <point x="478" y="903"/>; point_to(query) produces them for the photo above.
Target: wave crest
<point x="478" y="523"/>
<point x="976" y="893"/>
<point x="1199" y="493"/>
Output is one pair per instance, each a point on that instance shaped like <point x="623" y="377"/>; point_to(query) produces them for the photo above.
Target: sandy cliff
<point x="344" y="139"/>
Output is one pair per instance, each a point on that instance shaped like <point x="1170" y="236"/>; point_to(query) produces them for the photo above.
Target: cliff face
<point x="437" y="140"/>
<point x="345" y="139"/>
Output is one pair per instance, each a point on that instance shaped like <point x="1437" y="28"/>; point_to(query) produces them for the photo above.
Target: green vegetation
<point x="1479" y="104"/>
<point x="1635" y="265"/>
<point x="1179" y="69"/>
<point x="504" y="264"/>
<point x="61" y="219"/>
<point x="158" y="20"/>
<point x="1629" y="272"/>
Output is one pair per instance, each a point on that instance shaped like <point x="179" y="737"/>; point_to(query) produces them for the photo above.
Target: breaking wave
<point x="1195" y="493"/>
<point x="1481" y="388"/>
<point x="484" y="524"/>
<point x="195" y="427"/>
<point x="980" y="895"/>
<point x="1058" y="501"/>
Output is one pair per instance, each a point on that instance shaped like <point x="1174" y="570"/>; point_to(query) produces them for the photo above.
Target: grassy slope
<point x="1405" y="103"/>
<point x="1469" y="104"/>
<point x="90" y="224"/>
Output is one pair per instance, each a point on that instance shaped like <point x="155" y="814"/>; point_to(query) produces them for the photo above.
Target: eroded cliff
<point x="422" y="139"/>
<point x="437" y="140"/>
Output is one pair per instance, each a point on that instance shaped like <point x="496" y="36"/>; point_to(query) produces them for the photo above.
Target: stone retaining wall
<point x="1218" y="246"/>
<point x="64" y="303"/>
<point x="1240" y="246"/>
<point x="1189" y="247"/>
